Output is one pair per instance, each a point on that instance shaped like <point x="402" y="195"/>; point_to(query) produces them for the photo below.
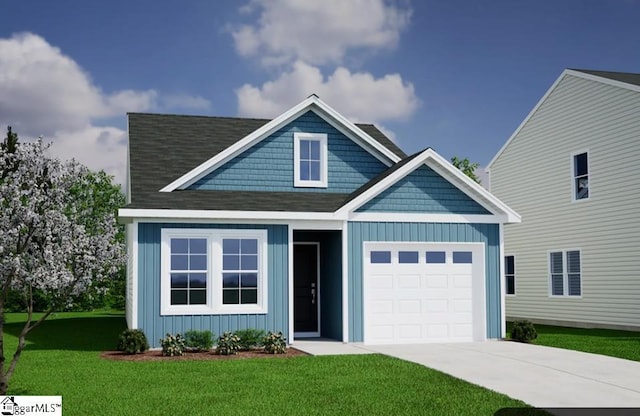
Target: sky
<point x="458" y="76"/>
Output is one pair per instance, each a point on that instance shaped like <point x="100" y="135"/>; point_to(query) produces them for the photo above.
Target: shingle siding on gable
<point x="268" y="166"/>
<point x="423" y="191"/>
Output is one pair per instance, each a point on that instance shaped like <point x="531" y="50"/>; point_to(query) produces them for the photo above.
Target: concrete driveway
<point x="540" y="376"/>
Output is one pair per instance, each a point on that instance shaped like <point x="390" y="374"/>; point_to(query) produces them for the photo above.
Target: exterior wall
<point x="268" y="166"/>
<point x="533" y="176"/>
<point x="156" y="326"/>
<point x="489" y="234"/>
<point x="423" y="190"/>
<point x="130" y="230"/>
<point x="330" y="279"/>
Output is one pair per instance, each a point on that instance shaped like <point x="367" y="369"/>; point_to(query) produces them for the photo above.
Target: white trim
<point x="345" y="282"/>
<point x="185" y="214"/>
<point x="214" y="305"/>
<point x="311" y="103"/>
<point x="566" y="72"/>
<point x="415" y="217"/>
<point x="565" y="274"/>
<point x="310" y="334"/>
<point x="573" y="175"/>
<point x="324" y="156"/>
<point x="134" y="275"/>
<point x="290" y="284"/>
<point x="503" y="281"/>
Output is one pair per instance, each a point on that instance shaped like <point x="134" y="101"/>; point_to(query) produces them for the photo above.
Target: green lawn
<point x="62" y="358"/>
<point x="621" y="344"/>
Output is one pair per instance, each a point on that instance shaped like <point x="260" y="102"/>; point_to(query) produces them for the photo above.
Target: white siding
<point x="533" y="176"/>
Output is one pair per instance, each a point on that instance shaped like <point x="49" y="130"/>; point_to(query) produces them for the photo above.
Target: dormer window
<point x="310" y="160"/>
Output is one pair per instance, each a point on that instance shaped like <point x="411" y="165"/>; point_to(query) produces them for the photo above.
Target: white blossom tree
<point x="46" y="242"/>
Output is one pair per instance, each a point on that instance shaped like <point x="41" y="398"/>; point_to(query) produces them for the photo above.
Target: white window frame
<point x="504" y="260"/>
<point x="319" y="137"/>
<point x="573" y="175"/>
<point x="214" y="305"/>
<point x="565" y="274"/>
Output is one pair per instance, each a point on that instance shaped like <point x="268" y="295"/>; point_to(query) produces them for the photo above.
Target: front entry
<point x="306" y="289"/>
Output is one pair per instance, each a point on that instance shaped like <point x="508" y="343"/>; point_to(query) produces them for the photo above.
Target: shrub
<point x="133" y="341"/>
<point x="228" y="344"/>
<point x="250" y="338"/>
<point x="198" y="340"/>
<point x="172" y="346"/>
<point x="275" y="343"/>
<point x="523" y="331"/>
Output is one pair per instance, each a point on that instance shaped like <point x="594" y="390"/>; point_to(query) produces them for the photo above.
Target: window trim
<point x="506" y="286"/>
<point x="322" y="138"/>
<point x="573" y="175"/>
<point x="565" y="274"/>
<point x="214" y="305"/>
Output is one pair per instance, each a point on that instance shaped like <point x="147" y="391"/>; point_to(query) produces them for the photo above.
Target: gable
<point x="268" y="165"/>
<point x="423" y="191"/>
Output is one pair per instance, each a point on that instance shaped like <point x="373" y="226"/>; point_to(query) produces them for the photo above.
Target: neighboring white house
<point x="571" y="170"/>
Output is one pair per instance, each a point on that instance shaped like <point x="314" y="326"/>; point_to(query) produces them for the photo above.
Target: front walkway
<point x="329" y="347"/>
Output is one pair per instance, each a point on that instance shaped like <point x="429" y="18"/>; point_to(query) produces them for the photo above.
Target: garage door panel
<point x="435" y="306"/>
<point x="381" y="281"/>
<point x="408" y="281"/>
<point x="410" y="306"/>
<point x="437" y="281"/>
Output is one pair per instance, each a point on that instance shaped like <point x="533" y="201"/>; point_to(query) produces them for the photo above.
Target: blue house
<point x="310" y="225"/>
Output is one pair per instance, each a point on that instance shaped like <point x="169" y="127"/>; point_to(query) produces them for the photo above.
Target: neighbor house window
<point x="581" y="176"/>
<point x="510" y="274"/>
<point x="310" y="160"/>
<point x="213" y="271"/>
<point x="565" y="273"/>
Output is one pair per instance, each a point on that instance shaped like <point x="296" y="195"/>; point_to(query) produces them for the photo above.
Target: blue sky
<point x="458" y="76"/>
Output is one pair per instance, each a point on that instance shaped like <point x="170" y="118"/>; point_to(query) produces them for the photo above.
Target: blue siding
<point x="156" y="326"/>
<point x="488" y="234"/>
<point x="268" y="165"/>
<point x="423" y="190"/>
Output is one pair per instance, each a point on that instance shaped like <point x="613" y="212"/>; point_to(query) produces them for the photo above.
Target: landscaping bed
<point x="156" y="355"/>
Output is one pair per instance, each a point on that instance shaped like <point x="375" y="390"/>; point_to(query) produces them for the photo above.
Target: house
<point x="306" y="224"/>
<point x="569" y="169"/>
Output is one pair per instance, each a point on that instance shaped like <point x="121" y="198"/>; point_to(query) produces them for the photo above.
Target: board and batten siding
<point x="156" y="326"/>
<point x="359" y="232"/>
<point x="423" y="190"/>
<point x="533" y="176"/>
<point x="268" y="165"/>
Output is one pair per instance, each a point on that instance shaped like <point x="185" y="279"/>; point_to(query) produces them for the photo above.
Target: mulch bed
<point x="156" y="355"/>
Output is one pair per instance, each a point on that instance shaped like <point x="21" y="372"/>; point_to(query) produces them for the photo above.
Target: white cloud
<point x="185" y="102"/>
<point x="318" y="32"/>
<point x="46" y="93"/>
<point x="359" y="96"/>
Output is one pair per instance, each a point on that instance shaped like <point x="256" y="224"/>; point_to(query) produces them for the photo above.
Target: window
<point x="510" y="274"/>
<point x="381" y="257"/>
<point x="581" y="176"/>
<point x="565" y="273"/>
<point x="462" y="257"/>
<point x="213" y="271"/>
<point x="407" y="257"/>
<point x="439" y="257"/>
<point x="310" y="160"/>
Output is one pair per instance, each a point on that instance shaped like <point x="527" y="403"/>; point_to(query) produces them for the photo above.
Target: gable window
<point x="581" y="176"/>
<point x="510" y="274"/>
<point x="565" y="273"/>
<point x="213" y="271"/>
<point x="310" y="160"/>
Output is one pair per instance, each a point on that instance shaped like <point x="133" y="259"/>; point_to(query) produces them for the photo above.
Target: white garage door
<point x="423" y="292"/>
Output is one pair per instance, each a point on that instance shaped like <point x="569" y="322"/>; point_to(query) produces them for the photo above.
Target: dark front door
<point x="305" y="287"/>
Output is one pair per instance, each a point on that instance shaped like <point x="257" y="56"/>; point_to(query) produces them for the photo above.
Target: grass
<point x="62" y="358"/>
<point x="614" y="343"/>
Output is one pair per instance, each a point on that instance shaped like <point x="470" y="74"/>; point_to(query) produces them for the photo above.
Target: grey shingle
<point x="626" y="77"/>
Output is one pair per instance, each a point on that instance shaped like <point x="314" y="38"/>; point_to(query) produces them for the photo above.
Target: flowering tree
<point x="466" y="167"/>
<point x="47" y="243"/>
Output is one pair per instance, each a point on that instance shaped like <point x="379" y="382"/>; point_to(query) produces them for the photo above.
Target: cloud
<point x="46" y="93"/>
<point x="185" y="102"/>
<point x="359" y="96"/>
<point x="318" y="32"/>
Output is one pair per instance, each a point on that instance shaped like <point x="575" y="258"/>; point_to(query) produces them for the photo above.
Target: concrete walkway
<point x="540" y="376"/>
<point x="330" y="347"/>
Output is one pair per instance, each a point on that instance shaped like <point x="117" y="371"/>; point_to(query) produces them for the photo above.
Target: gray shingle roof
<point x="164" y="147"/>
<point x="626" y="77"/>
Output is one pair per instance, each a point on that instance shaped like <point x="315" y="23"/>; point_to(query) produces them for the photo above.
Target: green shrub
<point x="132" y="341"/>
<point x="198" y="340"/>
<point x="250" y="338"/>
<point x="228" y="344"/>
<point x="172" y="346"/>
<point x="275" y="343"/>
<point x="523" y="331"/>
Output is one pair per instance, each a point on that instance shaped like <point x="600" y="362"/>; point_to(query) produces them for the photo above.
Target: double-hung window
<point x="580" y="176"/>
<point x="213" y="271"/>
<point x="510" y="274"/>
<point x="565" y="273"/>
<point x="310" y="160"/>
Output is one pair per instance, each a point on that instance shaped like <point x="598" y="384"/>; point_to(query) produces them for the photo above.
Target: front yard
<point x="62" y="358"/>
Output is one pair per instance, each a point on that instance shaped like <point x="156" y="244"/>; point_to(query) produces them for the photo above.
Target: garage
<point x="423" y="292"/>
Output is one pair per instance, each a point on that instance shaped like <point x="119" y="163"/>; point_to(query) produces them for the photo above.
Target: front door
<point x="305" y="290"/>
